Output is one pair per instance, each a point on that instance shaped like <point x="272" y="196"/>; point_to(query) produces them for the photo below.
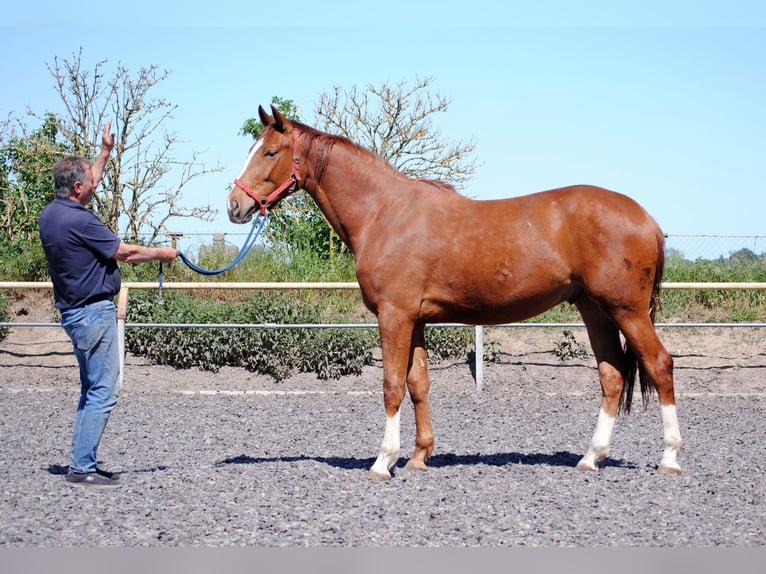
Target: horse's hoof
<point x="584" y="465"/>
<point x="378" y="476"/>
<point x="669" y="470"/>
<point x="416" y="465"/>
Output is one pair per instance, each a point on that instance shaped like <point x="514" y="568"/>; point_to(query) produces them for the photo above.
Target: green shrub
<point x="330" y="353"/>
<point x="448" y="342"/>
<point x="569" y="348"/>
<point x="280" y="353"/>
<point x="22" y="260"/>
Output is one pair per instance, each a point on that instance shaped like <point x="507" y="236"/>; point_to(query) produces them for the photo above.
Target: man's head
<point x="73" y="179"/>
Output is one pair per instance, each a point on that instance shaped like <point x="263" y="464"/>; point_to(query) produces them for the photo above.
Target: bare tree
<point x="143" y="182"/>
<point x="395" y="122"/>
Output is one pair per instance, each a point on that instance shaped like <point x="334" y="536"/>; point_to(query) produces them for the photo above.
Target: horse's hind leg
<point x="605" y="341"/>
<point x="658" y="365"/>
<point x="418" y="386"/>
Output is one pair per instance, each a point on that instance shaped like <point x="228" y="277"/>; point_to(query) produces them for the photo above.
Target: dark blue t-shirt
<point x="79" y="249"/>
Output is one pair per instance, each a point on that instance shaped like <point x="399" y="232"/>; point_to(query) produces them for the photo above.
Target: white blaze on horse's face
<point x="233" y="205"/>
<point x="256" y="146"/>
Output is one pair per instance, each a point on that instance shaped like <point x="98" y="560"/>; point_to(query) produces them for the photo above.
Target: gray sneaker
<point x="98" y="479"/>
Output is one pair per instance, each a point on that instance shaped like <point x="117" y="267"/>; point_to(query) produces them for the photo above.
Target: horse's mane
<point x="322" y="143"/>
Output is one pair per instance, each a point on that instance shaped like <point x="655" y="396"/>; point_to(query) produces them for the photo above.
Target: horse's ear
<point x="266" y="119"/>
<point x="279" y="119"/>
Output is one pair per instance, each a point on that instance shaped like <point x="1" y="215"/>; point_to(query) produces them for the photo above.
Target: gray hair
<point x="66" y="172"/>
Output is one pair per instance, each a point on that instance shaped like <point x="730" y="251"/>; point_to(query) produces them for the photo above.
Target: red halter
<point x="292" y="184"/>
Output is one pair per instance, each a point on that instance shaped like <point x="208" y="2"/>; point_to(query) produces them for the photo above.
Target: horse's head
<point x="270" y="172"/>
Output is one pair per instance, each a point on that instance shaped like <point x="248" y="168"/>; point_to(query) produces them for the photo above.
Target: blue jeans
<point x="94" y="335"/>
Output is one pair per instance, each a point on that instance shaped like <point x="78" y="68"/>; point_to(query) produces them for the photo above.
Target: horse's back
<point x="572" y="219"/>
<point x="579" y="216"/>
<point x="573" y="202"/>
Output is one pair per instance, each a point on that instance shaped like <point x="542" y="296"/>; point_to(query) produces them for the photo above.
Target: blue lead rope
<point x="252" y="237"/>
<point x="159" y="293"/>
<point x="255" y="231"/>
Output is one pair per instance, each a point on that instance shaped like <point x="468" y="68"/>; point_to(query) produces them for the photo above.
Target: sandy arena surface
<point x="235" y="459"/>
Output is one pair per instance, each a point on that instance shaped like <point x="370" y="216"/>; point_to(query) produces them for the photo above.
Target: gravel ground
<point x="235" y="459"/>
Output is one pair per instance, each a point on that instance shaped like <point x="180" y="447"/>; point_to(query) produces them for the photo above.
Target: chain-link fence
<point x="715" y="247"/>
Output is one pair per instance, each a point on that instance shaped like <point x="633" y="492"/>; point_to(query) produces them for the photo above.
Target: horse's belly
<point x="487" y="308"/>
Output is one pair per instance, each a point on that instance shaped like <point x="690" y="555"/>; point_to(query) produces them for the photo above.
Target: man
<point x="82" y="256"/>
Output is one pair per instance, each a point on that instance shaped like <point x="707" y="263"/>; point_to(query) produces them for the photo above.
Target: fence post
<point x="122" y="307"/>
<point x="479" y="357"/>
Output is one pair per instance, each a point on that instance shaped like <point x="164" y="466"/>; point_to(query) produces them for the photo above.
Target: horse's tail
<point x="632" y="364"/>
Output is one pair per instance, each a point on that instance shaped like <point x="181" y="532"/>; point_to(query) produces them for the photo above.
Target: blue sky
<point x="662" y="101"/>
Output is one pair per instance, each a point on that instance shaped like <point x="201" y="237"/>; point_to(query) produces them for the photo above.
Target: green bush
<point x="280" y="353"/>
<point x="448" y="342"/>
<point x="330" y="353"/>
<point x="22" y="260"/>
<point x="569" y="347"/>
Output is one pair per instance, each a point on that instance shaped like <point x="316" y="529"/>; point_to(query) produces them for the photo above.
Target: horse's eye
<point x="270" y="153"/>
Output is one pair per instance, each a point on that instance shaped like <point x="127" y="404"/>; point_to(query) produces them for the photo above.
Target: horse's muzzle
<point x="237" y="214"/>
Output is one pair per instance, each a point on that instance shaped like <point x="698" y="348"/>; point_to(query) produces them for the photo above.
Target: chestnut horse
<point x="426" y="254"/>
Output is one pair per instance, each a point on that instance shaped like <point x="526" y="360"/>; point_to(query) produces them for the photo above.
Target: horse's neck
<point x="353" y="190"/>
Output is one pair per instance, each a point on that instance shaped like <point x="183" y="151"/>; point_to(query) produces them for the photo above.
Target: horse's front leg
<point x="395" y="340"/>
<point x="418" y="386"/>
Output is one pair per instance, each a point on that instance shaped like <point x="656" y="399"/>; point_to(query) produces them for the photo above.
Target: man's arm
<point x="141" y="254"/>
<point x="107" y="144"/>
